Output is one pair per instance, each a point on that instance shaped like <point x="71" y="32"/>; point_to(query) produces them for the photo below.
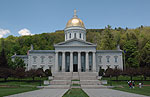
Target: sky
<point x="29" y="17"/>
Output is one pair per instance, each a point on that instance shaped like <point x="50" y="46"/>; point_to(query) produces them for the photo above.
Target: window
<point x="80" y="35"/>
<point x="74" y="35"/>
<point x="42" y="59"/>
<point x="116" y="66"/>
<point x="100" y="59"/>
<point x="42" y="66"/>
<point x="50" y="58"/>
<point x="34" y="66"/>
<point x="108" y="66"/>
<point x="116" y="58"/>
<point x="66" y="36"/>
<point x="108" y="57"/>
<point x="70" y="35"/>
<point x="34" y="58"/>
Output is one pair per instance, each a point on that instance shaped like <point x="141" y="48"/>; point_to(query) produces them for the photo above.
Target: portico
<point x="75" y="61"/>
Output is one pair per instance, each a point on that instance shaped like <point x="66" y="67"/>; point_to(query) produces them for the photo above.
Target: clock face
<point x="75" y="21"/>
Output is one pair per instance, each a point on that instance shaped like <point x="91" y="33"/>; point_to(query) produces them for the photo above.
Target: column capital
<point x="63" y="51"/>
<point x="71" y="51"/>
<point x="87" y="51"/>
<point x="79" y="51"/>
<point x="94" y="52"/>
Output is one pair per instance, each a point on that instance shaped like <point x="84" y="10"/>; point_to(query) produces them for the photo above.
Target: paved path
<point x="109" y="93"/>
<point x="42" y="93"/>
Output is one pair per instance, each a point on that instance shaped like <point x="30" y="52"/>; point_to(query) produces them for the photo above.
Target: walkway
<point x="42" y="93"/>
<point x="109" y="93"/>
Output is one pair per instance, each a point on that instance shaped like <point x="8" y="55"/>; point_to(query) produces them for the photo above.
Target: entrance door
<point x="75" y="67"/>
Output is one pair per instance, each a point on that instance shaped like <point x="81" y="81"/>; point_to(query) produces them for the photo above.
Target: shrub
<point x="48" y="72"/>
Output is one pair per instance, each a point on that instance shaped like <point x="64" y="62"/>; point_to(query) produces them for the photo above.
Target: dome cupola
<point x="75" y="29"/>
<point x="75" y="21"/>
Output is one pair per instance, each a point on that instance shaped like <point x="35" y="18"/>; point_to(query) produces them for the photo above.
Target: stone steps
<point x="57" y="87"/>
<point x="60" y="82"/>
<point x="81" y="78"/>
<point x="88" y="78"/>
<point x="90" y="82"/>
<point x="62" y="78"/>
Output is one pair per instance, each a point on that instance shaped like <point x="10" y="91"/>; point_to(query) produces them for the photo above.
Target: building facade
<point x="75" y="54"/>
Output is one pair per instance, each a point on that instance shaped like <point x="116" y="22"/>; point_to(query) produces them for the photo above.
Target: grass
<point x="75" y="92"/>
<point x="122" y="80"/>
<point x="143" y="91"/>
<point x="75" y="80"/>
<point x="14" y="86"/>
<point x="5" y="91"/>
<point x="122" y="85"/>
<point x="75" y="84"/>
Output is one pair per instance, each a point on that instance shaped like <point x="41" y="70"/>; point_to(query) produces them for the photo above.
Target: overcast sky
<point x="25" y="17"/>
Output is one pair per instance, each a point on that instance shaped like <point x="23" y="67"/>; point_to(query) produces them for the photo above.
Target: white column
<point x="56" y="61"/>
<point x="94" y="62"/>
<point x="71" y="61"/>
<point x="79" y="61"/>
<point x="63" y="61"/>
<point x="87" y="61"/>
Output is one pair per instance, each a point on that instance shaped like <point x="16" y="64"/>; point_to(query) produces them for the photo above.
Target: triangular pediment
<point x="75" y="42"/>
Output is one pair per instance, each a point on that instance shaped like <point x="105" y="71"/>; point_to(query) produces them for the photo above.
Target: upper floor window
<point x="34" y="66"/>
<point x="100" y="59"/>
<point x="50" y="59"/>
<point x="80" y="35"/>
<point x="34" y="58"/>
<point x="70" y="35"/>
<point x="42" y="59"/>
<point x="108" y="58"/>
<point x="116" y="58"/>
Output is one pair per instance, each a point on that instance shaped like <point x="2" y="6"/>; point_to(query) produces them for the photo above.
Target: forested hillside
<point x="135" y="43"/>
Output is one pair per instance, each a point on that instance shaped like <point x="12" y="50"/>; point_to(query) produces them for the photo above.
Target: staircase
<point x="75" y="80"/>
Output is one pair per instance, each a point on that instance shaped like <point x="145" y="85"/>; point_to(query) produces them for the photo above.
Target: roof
<point x="108" y="51"/>
<point x="41" y="51"/>
<point x="75" y="39"/>
<point x="21" y="56"/>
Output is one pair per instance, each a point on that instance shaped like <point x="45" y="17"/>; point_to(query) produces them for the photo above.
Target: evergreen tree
<point x="3" y="59"/>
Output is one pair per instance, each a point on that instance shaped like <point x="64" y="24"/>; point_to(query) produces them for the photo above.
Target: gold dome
<point x="75" y="21"/>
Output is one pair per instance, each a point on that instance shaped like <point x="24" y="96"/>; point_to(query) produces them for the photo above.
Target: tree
<point x="101" y="72"/>
<point x="108" y="39"/>
<point x="48" y="72"/>
<point x="20" y="73"/>
<point x="131" y="72"/>
<point x="131" y="54"/>
<point x="145" y="55"/>
<point x="109" y="72"/>
<point x="18" y="63"/>
<point x="3" y="59"/>
<point x="40" y="72"/>
<point x="32" y="73"/>
<point x="116" y="72"/>
<point x="5" y="73"/>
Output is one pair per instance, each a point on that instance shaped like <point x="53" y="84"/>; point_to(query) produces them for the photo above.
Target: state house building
<point x="75" y="54"/>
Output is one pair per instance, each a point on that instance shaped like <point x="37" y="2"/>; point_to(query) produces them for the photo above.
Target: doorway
<point x="75" y="67"/>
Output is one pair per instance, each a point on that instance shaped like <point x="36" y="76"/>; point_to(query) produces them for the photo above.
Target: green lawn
<point x="14" y="86"/>
<point x="123" y="85"/>
<point x="5" y="91"/>
<point x="75" y="92"/>
<point x="143" y="91"/>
